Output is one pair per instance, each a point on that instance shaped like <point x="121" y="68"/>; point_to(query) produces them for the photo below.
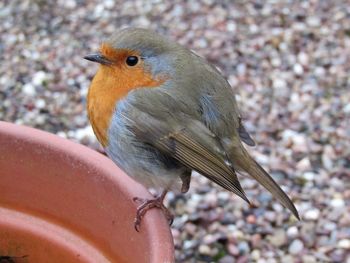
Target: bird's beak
<point x="99" y="58"/>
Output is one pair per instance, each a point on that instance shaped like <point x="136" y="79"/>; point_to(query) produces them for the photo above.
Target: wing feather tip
<point x="294" y="211"/>
<point x="240" y="192"/>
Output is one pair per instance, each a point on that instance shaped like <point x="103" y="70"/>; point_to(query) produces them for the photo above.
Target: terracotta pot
<point x="62" y="202"/>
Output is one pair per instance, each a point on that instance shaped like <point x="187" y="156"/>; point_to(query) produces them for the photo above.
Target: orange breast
<point x="110" y="84"/>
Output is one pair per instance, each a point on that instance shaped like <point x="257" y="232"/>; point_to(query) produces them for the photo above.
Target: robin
<point x="160" y="111"/>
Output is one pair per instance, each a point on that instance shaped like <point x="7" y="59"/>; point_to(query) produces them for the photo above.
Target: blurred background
<point x="289" y="64"/>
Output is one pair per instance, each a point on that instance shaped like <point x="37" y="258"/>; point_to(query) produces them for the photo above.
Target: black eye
<point x="132" y="60"/>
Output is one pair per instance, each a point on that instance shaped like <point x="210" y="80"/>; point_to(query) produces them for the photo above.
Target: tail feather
<point x="249" y="165"/>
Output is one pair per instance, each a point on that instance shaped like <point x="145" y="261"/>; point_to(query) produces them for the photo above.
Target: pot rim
<point x="154" y="224"/>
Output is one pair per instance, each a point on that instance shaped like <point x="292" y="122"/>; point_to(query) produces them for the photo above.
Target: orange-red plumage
<point x="110" y="84"/>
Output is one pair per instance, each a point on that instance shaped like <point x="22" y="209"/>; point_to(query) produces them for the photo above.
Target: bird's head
<point x="135" y="57"/>
<point x="132" y="58"/>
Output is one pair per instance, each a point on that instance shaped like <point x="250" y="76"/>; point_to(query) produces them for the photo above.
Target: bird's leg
<point x="149" y="204"/>
<point x="186" y="180"/>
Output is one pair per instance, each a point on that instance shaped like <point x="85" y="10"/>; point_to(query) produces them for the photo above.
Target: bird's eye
<point x="132" y="60"/>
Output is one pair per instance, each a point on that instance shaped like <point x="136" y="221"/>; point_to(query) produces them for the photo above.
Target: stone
<point x="227" y="259"/>
<point x="233" y="249"/>
<point x="304" y="164"/>
<point x="251" y="219"/>
<point x="255" y="254"/>
<point x="40" y="103"/>
<point x="278" y="238"/>
<point x="309" y="259"/>
<point x="296" y="247"/>
<point x="204" y="250"/>
<point x="243" y="247"/>
<point x="298" y="69"/>
<point x="38" y="78"/>
<point x="312" y="214"/>
<point x="309" y="176"/>
<point x="292" y="232"/>
<point x="337" y="202"/>
<point x="29" y="89"/>
<point x="344" y="243"/>
<point x="313" y="21"/>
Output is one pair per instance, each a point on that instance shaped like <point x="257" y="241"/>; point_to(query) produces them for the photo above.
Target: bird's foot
<point x="147" y="204"/>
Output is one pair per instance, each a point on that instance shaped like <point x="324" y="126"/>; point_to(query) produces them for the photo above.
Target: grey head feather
<point x="148" y="42"/>
<point x="156" y="50"/>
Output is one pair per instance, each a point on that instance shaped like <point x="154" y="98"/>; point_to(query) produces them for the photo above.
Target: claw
<point x="138" y="199"/>
<point x="148" y="204"/>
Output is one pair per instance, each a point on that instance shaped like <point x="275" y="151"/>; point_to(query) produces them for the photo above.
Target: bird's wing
<point x="221" y="94"/>
<point x="244" y="135"/>
<point x="191" y="143"/>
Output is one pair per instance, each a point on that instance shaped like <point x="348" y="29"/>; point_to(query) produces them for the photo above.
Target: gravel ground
<point x="288" y="62"/>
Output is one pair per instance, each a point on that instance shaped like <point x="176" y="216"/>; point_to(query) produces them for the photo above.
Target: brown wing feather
<point x="193" y="155"/>
<point x="194" y="146"/>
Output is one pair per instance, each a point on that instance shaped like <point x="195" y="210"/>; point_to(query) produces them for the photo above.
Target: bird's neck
<point x="109" y="85"/>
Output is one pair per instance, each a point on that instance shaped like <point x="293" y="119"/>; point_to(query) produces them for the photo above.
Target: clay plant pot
<point x="62" y="202"/>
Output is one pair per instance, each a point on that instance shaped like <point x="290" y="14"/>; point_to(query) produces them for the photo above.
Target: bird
<point x="160" y="111"/>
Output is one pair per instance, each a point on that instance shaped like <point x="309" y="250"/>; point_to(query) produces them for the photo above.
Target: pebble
<point x="309" y="259"/>
<point x="288" y="259"/>
<point x="329" y="226"/>
<point x="346" y="108"/>
<point x="256" y="240"/>
<point x="233" y="249"/>
<point x="304" y="164"/>
<point x="204" y="250"/>
<point x="82" y="133"/>
<point x="278" y="239"/>
<point x="292" y="232"/>
<point x="309" y="176"/>
<point x="251" y="219"/>
<point x="188" y="244"/>
<point x="227" y="259"/>
<point x="270" y="216"/>
<point x="231" y="26"/>
<point x="337" y="203"/>
<point x="303" y="58"/>
<point x="40" y="103"/>
<point x="279" y="83"/>
<point x="344" y="243"/>
<point x="313" y="21"/>
<point x="298" y="69"/>
<point x="38" y="78"/>
<point x="256" y="254"/>
<point x="296" y="247"/>
<point x="243" y="247"/>
<point x="312" y="214"/>
<point x="29" y="89"/>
